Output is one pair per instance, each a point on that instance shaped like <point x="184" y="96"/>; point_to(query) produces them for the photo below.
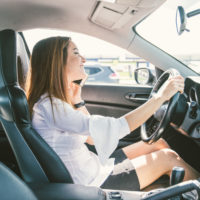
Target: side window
<point x="107" y="64"/>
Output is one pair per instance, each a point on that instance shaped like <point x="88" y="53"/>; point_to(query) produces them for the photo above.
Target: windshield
<point x="160" y="29"/>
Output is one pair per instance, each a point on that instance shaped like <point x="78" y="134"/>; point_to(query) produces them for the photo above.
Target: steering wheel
<point x="154" y="127"/>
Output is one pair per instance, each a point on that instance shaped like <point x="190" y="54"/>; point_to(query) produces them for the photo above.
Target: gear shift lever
<point x="177" y="175"/>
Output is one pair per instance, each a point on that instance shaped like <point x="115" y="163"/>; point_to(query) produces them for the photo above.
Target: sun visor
<point x="117" y="14"/>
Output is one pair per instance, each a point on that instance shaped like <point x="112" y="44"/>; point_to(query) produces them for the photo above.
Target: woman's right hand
<point x="140" y="115"/>
<point x="170" y="87"/>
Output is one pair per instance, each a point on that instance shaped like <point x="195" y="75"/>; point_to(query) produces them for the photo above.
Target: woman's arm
<point x="138" y="116"/>
<point x="84" y="110"/>
<point x="77" y="99"/>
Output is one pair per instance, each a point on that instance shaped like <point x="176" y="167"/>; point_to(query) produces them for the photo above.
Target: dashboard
<point x="191" y="107"/>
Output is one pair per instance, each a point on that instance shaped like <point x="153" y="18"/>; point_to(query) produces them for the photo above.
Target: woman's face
<point x="74" y="67"/>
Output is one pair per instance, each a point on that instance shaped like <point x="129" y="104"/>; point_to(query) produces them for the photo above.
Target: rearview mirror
<point x="181" y="18"/>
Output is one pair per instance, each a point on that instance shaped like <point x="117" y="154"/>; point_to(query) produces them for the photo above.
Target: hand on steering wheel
<point x="165" y="87"/>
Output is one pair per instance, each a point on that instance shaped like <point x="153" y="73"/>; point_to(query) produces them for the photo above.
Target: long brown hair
<point x="46" y="74"/>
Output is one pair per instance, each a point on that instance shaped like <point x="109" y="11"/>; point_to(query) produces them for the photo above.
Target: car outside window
<point x="163" y="33"/>
<point x="92" y="70"/>
<point x="108" y="64"/>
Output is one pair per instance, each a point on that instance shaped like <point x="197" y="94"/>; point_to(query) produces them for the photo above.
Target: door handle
<point x="137" y="97"/>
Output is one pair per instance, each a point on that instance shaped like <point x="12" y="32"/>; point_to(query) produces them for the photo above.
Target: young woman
<point x="61" y="118"/>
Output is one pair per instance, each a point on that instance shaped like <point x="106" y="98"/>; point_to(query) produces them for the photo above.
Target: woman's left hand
<point x="75" y="90"/>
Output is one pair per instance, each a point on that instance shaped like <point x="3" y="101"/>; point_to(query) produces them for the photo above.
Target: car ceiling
<point x="109" y="21"/>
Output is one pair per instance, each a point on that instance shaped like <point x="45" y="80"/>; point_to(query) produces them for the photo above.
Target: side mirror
<point x="144" y="76"/>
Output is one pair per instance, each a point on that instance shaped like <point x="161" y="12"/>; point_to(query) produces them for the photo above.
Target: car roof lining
<point x="63" y="15"/>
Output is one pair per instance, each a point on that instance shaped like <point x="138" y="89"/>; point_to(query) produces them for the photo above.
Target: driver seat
<point x="37" y="161"/>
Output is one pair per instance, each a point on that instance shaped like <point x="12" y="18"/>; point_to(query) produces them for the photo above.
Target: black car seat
<point x="6" y="153"/>
<point x="36" y="160"/>
<point x="11" y="187"/>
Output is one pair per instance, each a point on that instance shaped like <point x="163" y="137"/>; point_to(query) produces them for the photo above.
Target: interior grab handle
<point x="137" y="97"/>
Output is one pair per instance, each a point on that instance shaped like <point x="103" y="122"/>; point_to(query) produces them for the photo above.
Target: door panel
<point x="115" y="101"/>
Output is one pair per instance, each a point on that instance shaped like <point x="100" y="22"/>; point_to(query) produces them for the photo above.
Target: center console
<point x="63" y="191"/>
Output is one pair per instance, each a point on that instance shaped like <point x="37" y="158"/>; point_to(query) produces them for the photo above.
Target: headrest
<point x="8" y="58"/>
<point x="13" y="104"/>
<point x="12" y="44"/>
<point x="22" y="62"/>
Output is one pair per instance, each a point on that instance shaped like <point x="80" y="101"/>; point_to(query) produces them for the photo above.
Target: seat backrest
<point x="36" y="160"/>
<point x="6" y="153"/>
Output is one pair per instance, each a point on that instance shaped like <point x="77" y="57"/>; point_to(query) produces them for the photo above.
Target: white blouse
<point x="66" y="130"/>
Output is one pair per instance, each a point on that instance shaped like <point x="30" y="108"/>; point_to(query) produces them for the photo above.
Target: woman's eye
<point x="76" y="52"/>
